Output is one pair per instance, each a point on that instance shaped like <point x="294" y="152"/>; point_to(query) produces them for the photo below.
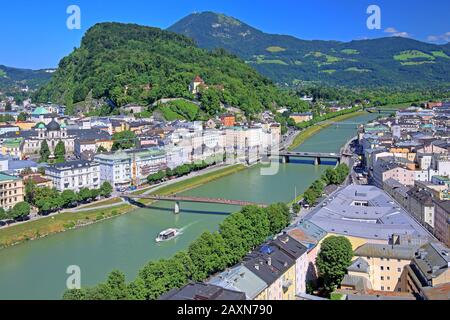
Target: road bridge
<point x="317" y="156"/>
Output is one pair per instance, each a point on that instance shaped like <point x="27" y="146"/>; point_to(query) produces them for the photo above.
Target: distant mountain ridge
<point x="390" y="61"/>
<point x="16" y="78"/>
<point x="129" y="63"/>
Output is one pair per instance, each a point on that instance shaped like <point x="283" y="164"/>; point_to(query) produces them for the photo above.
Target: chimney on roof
<point x="269" y="261"/>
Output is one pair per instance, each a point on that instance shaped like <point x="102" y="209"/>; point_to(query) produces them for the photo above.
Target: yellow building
<point x="11" y="191"/>
<point x="403" y="153"/>
<point x="25" y="125"/>
<point x="384" y="265"/>
<point x="288" y="284"/>
<point x="301" y="117"/>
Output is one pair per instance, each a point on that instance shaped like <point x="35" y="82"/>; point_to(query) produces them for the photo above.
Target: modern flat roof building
<point x="367" y="212"/>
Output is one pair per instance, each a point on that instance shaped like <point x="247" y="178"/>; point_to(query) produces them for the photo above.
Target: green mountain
<point x="287" y="60"/>
<point x="12" y="79"/>
<point x="128" y="63"/>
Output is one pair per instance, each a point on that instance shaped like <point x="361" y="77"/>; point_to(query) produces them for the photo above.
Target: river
<point x="37" y="269"/>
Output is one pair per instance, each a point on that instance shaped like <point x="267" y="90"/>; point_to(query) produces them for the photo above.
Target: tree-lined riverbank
<point x="68" y="220"/>
<point x="309" y="132"/>
<point x="127" y="242"/>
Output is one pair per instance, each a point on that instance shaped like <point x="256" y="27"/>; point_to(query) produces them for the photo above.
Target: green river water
<point x="37" y="269"/>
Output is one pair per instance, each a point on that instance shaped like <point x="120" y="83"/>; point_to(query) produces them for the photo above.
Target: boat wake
<point x="187" y="227"/>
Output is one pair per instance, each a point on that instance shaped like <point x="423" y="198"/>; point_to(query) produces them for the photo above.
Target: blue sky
<point x="33" y="33"/>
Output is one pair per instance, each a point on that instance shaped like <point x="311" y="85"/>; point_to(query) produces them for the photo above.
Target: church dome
<point x="40" y="125"/>
<point x="53" y="126"/>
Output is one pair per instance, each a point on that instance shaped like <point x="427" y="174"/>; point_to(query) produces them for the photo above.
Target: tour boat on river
<point x="167" y="235"/>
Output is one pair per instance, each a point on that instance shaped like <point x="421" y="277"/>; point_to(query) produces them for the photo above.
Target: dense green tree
<point x="210" y="100"/>
<point x="137" y="289"/>
<point x="156" y="177"/>
<point x="342" y="171"/>
<point x="30" y="188"/>
<point x="236" y="230"/>
<point x="208" y="255"/>
<point x="260" y="224"/>
<point x="68" y="197"/>
<point x="162" y="276"/>
<point x="278" y="215"/>
<point x="124" y="140"/>
<point x="106" y="189"/>
<point x="333" y="260"/>
<point x="23" y="116"/>
<point x="330" y="177"/>
<point x="115" y="286"/>
<point x="317" y="187"/>
<point x="47" y="199"/>
<point x="310" y="197"/>
<point x="60" y="152"/>
<point x="20" y="210"/>
<point x="3" y="214"/>
<point x="44" y="152"/>
<point x="101" y="149"/>
<point x="74" y="294"/>
<point x="84" y="194"/>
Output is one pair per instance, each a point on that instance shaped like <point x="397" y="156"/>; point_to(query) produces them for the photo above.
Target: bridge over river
<point x="317" y="156"/>
<point x="178" y="199"/>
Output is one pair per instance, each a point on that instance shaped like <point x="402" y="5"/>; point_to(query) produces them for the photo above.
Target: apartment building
<point x="115" y="168"/>
<point x="442" y="220"/>
<point x="420" y="205"/>
<point x="74" y="175"/>
<point x="123" y="168"/>
<point x="276" y="269"/>
<point x="11" y="191"/>
<point x="428" y="275"/>
<point x="382" y="265"/>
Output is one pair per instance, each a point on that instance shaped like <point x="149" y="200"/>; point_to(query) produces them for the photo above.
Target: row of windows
<point x="9" y="185"/>
<point x="8" y="193"/>
<point x="10" y="200"/>
<point x="382" y="268"/>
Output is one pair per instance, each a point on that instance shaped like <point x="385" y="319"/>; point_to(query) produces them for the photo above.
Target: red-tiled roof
<point x="198" y="79"/>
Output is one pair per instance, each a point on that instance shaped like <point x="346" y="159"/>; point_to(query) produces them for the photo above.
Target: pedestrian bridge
<point x="178" y="199"/>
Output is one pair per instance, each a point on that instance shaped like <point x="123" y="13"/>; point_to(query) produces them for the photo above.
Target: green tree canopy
<point x="68" y="197"/>
<point x="106" y="189"/>
<point x="44" y="151"/>
<point x="124" y="140"/>
<point x="208" y="255"/>
<point x="334" y="258"/>
<point x="60" y="152"/>
<point x="23" y="116"/>
<point x="20" y="210"/>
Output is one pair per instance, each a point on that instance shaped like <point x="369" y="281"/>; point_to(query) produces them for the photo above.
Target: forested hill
<point x="12" y="79"/>
<point x="384" y="62"/>
<point x="129" y="63"/>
